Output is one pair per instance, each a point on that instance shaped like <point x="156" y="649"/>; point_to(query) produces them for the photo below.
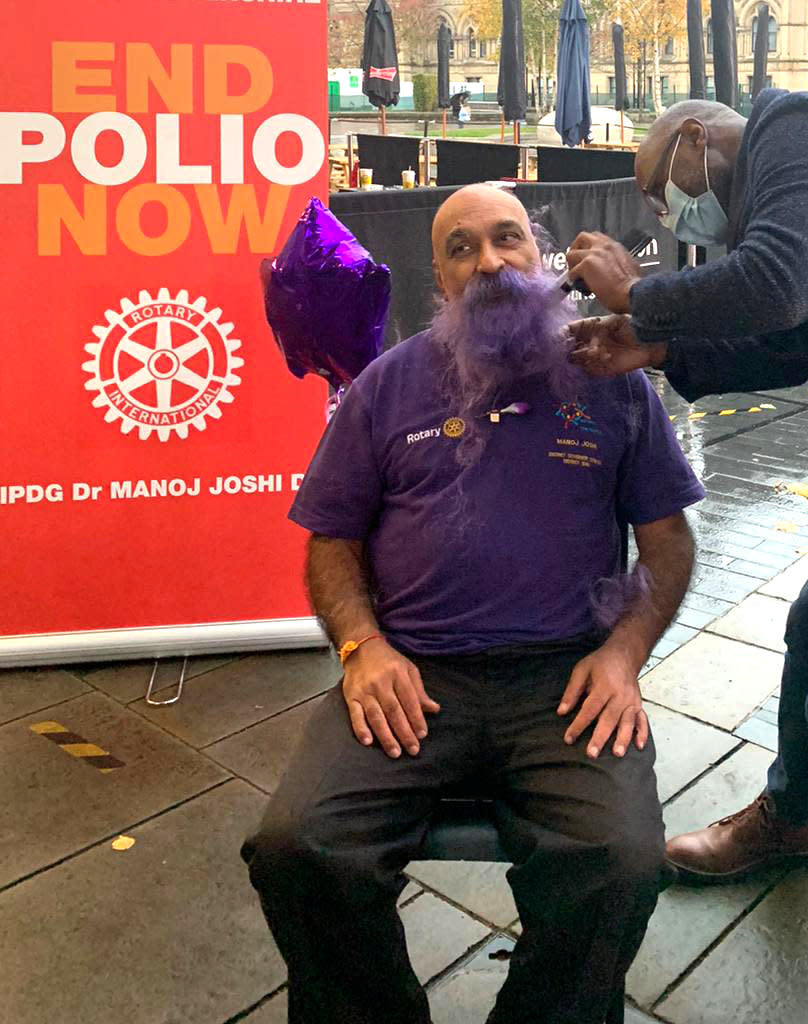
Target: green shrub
<point x="424" y="92"/>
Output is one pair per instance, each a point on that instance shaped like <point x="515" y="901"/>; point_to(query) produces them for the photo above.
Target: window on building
<point x="669" y="47"/>
<point x="472" y="43"/>
<point x="611" y="83"/>
<point x="750" y="81"/>
<point x="451" y="45"/>
<point x="709" y="35"/>
<point x="483" y="48"/>
<point x="772" y="33"/>
<point x="665" y="81"/>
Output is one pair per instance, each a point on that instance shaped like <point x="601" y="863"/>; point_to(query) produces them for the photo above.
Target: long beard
<point x="504" y="329"/>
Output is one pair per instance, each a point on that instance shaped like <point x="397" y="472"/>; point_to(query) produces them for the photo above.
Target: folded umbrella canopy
<point x="761" y="50"/>
<point x="444" y="39"/>
<point x="380" y="81"/>
<point x="725" y="60"/>
<point x="511" y="91"/>
<point x="695" y="49"/>
<point x="573" y="118"/>
<point x="620" y="97"/>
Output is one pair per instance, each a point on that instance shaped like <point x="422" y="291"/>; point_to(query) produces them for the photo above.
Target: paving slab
<point x="437" y="934"/>
<point x="727" y="788"/>
<point x="760" y="731"/>
<point x="754" y="569"/>
<point x="714" y="428"/>
<point x="713" y="606"/>
<point x="261" y="753"/>
<point x="694" y="618"/>
<point x="759" y="973"/>
<point x="480" y="888"/>
<point x="24" y="691"/>
<point x="798" y="394"/>
<point x="634" y="1016"/>
<point x="721" y="583"/>
<point x="241" y="693"/>
<point x="686" y="922"/>
<point x="684" y="748"/>
<point x="275" y="1011"/>
<point x="128" y="680"/>
<point x="167" y="932"/>
<point x="758" y="620"/>
<point x="676" y="635"/>
<point x="714" y="679"/>
<point x="788" y="584"/>
<point x="468" y="994"/>
<point x="52" y="804"/>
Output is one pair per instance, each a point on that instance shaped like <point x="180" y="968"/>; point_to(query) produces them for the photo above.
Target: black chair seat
<point x="463" y="829"/>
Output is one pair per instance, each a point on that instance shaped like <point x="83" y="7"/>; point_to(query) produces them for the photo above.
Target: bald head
<point x="699" y="124"/>
<point x="480" y="229"/>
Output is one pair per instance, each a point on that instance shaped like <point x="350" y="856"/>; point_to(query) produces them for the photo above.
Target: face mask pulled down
<point x="696" y="220"/>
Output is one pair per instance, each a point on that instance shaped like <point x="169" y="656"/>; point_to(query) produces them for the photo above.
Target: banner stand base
<point x="160" y="642"/>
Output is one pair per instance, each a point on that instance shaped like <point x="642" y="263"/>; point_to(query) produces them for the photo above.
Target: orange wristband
<point x="350" y="646"/>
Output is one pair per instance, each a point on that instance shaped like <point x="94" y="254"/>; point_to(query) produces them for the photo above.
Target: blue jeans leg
<point x="788" y="775"/>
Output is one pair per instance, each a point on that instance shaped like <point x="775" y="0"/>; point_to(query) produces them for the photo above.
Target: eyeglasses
<point x="659" y="206"/>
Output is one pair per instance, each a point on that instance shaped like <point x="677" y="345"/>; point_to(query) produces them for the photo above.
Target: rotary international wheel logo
<point x="454" y="427"/>
<point x="162" y="365"/>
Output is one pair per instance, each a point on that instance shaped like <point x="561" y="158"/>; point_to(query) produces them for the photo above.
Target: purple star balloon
<point x="326" y="299"/>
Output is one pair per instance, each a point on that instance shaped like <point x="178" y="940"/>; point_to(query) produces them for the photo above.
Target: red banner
<point x="151" y="154"/>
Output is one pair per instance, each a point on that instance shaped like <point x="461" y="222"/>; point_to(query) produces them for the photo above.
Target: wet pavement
<point x="166" y="930"/>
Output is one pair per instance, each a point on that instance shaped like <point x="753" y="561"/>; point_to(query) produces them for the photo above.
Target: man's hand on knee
<point x="386" y="698"/>
<point x="608" y="678"/>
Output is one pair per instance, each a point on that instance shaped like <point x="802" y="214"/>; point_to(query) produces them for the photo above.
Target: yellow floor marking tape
<point x="800" y="489"/>
<point x="724" y="412"/>
<point x="77" y="747"/>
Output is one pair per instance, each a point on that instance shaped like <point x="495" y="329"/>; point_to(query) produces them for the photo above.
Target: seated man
<point x="463" y="506"/>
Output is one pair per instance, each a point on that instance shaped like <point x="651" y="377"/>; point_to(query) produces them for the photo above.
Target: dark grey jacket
<point x="740" y="323"/>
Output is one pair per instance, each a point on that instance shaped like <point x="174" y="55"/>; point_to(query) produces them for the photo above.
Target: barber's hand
<point x="607" y="347"/>
<point x="607" y="268"/>
<point x="386" y="698"/>
<point x="608" y="678"/>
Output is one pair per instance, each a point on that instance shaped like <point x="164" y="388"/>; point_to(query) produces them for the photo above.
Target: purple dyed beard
<point x="503" y="330"/>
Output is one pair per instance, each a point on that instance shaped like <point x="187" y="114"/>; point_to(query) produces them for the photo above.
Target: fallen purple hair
<point x="613" y="596"/>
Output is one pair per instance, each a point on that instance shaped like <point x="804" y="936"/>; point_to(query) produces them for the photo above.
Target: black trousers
<point x="586" y="839"/>
<point x="788" y="776"/>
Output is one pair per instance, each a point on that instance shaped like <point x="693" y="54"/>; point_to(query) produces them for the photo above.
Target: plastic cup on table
<point x="365" y="176"/>
<point x="408" y="178"/>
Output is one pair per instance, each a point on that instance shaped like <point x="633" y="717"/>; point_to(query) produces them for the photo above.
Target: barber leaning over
<point x="739" y="323"/>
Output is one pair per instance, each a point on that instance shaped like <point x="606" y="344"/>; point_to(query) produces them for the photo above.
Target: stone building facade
<point x="787" y="59"/>
<point x="475" y="59"/>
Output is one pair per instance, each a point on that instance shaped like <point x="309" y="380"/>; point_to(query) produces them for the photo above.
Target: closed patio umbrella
<point x="725" y="63"/>
<point x="573" y="118"/>
<point x="511" y="91"/>
<point x="444" y="100"/>
<point x="761" y="50"/>
<point x="380" y="81"/>
<point x="695" y="49"/>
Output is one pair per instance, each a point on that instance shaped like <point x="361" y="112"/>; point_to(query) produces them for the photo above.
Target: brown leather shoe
<point x="751" y="838"/>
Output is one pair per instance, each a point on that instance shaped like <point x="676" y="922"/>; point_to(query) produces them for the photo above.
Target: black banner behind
<point x="561" y="163"/>
<point x="463" y="163"/>
<point x="395" y="226"/>
<point x="388" y="155"/>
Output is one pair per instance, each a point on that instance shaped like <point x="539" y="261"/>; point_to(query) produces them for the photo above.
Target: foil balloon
<point x="326" y="299"/>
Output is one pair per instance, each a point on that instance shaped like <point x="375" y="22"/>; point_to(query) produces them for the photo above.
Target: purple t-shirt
<point x="505" y="551"/>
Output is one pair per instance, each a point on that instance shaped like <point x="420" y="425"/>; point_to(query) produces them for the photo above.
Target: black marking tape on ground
<point x="76" y="746"/>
